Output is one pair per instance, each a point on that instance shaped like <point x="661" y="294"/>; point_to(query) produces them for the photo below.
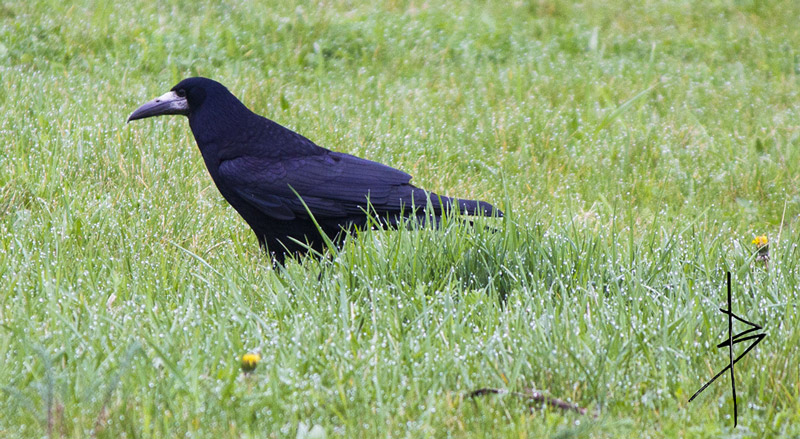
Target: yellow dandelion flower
<point x="762" y="249"/>
<point x="760" y="241"/>
<point x="250" y="361"/>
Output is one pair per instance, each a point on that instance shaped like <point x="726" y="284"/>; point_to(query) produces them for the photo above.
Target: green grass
<point x="637" y="148"/>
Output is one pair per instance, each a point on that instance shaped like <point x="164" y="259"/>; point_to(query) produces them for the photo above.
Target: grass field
<point x="636" y="147"/>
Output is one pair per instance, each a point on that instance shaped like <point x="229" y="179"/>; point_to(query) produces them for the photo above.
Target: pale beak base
<point x="168" y="103"/>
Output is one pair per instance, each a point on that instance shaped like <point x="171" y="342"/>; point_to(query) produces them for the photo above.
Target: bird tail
<point x="472" y="207"/>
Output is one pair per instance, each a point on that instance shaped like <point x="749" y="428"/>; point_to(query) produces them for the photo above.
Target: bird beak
<point x="168" y="103"/>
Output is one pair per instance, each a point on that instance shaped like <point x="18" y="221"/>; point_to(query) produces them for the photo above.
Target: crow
<point x="281" y="183"/>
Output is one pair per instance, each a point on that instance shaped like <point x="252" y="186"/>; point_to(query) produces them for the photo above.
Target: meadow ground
<point x="637" y="148"/>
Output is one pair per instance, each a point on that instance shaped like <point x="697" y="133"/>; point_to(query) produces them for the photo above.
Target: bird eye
<point x="181" y="93"/>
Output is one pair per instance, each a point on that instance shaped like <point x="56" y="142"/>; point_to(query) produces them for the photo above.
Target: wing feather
<point x="332" y="185"/>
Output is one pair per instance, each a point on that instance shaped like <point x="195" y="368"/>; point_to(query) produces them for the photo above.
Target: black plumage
<point x="261" y="167"/>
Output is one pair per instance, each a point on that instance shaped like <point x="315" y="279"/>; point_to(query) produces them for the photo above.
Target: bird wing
<point x="331" y="184"/>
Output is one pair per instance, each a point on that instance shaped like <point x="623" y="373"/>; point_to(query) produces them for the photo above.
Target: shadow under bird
<point x="264" y="169"/>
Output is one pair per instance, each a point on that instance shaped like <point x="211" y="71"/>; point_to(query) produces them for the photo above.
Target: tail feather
<point x="477" y="207"/>
<point x="471" y="207"/>
<point x="441" y="204"/>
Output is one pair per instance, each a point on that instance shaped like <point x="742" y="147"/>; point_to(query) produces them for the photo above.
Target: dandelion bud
<point x="250" y="361"/>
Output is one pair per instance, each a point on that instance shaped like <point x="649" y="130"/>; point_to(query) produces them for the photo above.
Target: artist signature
<point x="732" y="340"/>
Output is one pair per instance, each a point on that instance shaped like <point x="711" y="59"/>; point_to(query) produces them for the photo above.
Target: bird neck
<point x="223" y="123"/>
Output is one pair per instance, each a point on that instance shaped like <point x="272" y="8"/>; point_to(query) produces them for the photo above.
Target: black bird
<point x="261" y="168"/>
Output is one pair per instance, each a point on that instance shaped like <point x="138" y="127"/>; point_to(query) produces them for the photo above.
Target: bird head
<point x="185" y="98"/>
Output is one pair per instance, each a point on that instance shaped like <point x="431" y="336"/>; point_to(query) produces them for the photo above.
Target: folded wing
<point x="332" y="185"/>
